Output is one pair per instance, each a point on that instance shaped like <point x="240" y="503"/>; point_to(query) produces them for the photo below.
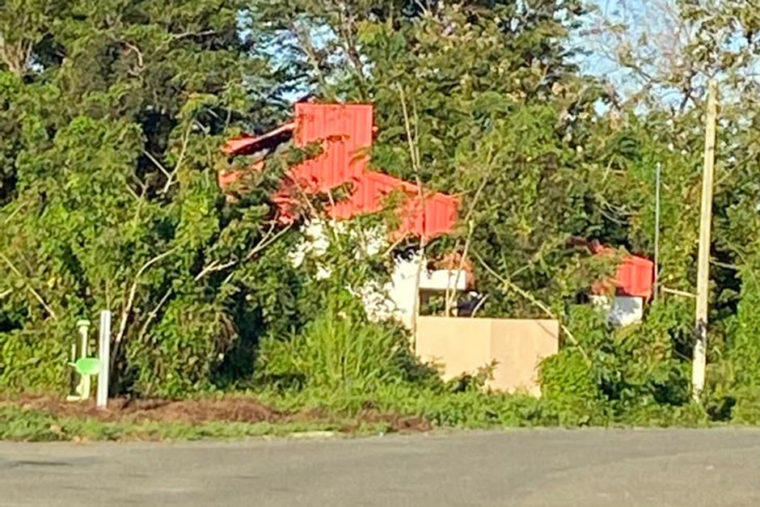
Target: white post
<point x="104" y="357"/>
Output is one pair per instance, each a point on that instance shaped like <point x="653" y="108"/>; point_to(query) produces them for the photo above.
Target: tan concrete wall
<point x="462" y="345"/>
<point x="519" y="346"/>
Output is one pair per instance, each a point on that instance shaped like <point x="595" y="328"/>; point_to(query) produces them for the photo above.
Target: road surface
<point x="515" y="468"/>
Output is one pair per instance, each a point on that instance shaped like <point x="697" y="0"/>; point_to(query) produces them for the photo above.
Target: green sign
<point x="87" y="366"/>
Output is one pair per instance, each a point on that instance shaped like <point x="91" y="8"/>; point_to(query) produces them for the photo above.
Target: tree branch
<point x="136" y="51"/>
<point x="29" y="287"/>
<point x="132" y="292"/>
<point x="479" y="305"/>
<point x="414" y="153"/>
<point x="311" y="54"/>
<point x="265" y="241"/>
<point x="184" y="35"/>
<point x="152" y="315"/>
<point x="170" y="177"/>
<point x="14" y="213"/>
<point x="156" y="163"/>
<point x="263" y="244"/>
<point x="471" y="229"/>
<point x="543" y="307"/>
<point x="346" y="31"/>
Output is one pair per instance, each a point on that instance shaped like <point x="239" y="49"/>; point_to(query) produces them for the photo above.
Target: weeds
<point x="32" y="425"/>
<point x="338" y="350"/>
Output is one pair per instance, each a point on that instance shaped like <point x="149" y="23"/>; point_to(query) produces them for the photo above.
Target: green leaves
<point x="111" y="118"/>
<point x="491" y="104"/>
<point x="108" y="193"/>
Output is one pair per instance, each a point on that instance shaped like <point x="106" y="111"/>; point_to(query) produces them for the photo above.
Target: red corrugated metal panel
<point x="634" y="276"/>
<point x="372" y="190"/>
<point x="367" y="196"/>
<point x="249" y="144"/>
<point x="346" y="133"/>
<point x="439" y="216"/>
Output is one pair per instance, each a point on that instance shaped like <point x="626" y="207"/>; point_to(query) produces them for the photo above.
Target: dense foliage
<point x="113" y="113"/>
<point x="114" y="122"/>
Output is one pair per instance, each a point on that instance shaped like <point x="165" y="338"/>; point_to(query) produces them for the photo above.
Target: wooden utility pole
<point x="703" y="263"/>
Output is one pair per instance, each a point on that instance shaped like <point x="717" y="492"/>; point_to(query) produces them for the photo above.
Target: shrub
<point x="339" y="349"/>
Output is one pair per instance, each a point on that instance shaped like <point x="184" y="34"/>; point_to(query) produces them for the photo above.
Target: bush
<point x="27" y="425"/>
<point x="568" y="384"/>
<point x="339" y="349"/>
<point x="621" y="374"/>
<point x="35" y="360"/>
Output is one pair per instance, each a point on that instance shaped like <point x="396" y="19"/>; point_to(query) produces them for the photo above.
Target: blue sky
<point x="628" y="12"/>
<point x="639" y="16"/>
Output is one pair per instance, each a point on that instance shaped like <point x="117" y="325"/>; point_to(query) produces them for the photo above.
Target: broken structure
<point x="344" y="132"/>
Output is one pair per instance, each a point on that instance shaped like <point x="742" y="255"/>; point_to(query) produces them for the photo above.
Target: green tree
<point x="692" y="43"/>
<point x="484" y="100"/>
<point x="115" y="113"/>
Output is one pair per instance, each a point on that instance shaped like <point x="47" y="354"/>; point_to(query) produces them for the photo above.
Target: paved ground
<point x="540" y="467"/>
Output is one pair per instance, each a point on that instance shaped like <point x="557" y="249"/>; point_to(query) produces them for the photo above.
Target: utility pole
<point x="703" y="263"/>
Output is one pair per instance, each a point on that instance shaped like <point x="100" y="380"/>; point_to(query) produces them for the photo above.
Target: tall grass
<point x="339" y="350"/>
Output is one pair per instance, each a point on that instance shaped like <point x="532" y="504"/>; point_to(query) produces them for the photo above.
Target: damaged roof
<point x="346" y="133"/>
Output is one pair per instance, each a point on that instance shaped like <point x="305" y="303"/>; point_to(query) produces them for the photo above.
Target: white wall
<point x="395" y="299"/>
<point x="622" y="310"/>
<point x="403" y="284"/>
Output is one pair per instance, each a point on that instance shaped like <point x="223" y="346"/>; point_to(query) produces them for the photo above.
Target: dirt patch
<point x="237" y="409"/>
<point x="395" y="422"/>
<point x="227" y="409"/>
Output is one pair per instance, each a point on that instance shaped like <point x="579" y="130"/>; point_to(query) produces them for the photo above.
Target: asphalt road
<point x="516" y="468"/>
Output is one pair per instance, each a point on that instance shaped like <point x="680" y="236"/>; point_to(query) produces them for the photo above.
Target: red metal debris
<point x="346" y="134"/>
<point x="372" y="191"/>
<point x="228" y="178"/>
<point x="245" y="145"/>
<point x="634" y="276"/>
<point x="453" y="261"/>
